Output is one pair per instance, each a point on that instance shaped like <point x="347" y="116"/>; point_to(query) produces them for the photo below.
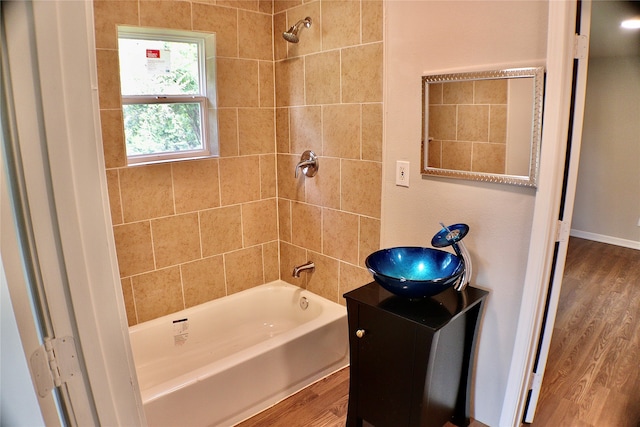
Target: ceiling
<point x="607" y="38"/>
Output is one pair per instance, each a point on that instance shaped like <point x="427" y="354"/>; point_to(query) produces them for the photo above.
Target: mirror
<point x="483" y="126"/>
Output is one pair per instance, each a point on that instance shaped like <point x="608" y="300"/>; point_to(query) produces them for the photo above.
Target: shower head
<point x="292" y="35"/>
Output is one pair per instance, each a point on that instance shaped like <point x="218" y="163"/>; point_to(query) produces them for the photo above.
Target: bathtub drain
<point x="304" y="303"/>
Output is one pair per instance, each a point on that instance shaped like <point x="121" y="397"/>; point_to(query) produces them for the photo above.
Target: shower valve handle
<point x="308" y="163"/>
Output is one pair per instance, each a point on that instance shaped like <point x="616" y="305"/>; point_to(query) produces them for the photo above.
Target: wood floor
<point x="592" y="377"/>
<point x="323" y="404"/>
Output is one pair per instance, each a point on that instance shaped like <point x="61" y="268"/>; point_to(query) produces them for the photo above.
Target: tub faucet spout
<point x="308" y="266"/>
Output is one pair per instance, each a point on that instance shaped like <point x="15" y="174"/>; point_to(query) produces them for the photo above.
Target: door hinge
<point x="580" y="47"/>
<point x="535" y="381"/>
<point x="562" y="231"/>
<point x="54" y="363"/>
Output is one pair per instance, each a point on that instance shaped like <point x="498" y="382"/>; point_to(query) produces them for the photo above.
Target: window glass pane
<point x="161" y="128"/>
<point x="157" y="67"/>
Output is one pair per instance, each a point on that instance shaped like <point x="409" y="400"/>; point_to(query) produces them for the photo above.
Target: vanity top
<point x="434" y="312"/>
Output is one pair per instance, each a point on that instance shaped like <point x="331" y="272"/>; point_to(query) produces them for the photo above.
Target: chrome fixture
<point x="292" y="35"/>
<point x="461" y="250"/>
<point x="308" y="266"/>
<point x="308" y="163"/>
<point x="452" y="236"/>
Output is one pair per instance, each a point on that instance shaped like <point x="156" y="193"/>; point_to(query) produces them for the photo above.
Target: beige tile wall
<point x="191" y="231"/>
<point x="329" y="100"/>
<point x="468" y="124"/>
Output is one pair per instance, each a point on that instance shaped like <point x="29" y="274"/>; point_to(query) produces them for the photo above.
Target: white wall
<point x="607" y="206"/>
<point x="426" y="37"/>
<point x="18" y="401"/>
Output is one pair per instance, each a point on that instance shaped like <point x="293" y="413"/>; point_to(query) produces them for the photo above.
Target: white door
<point x="565" y="88"/>
<point x="56" y="241"/>
<point x="574" y="140"/>
<point x="30" y="234"/>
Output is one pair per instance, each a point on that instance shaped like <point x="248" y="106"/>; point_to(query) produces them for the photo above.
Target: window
<point x="167" y="103"/>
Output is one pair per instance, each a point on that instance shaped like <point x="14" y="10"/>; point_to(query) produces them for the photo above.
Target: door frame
<point x="546" y="260"/>
<point x="88" y="301"/>
<point x="572" y="163"/>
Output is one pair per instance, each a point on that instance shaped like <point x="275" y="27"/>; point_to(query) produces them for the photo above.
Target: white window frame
<point x="206" y="98"/>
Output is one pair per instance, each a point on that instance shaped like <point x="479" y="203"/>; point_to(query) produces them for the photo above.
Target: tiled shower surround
<point x="190" y="231"/>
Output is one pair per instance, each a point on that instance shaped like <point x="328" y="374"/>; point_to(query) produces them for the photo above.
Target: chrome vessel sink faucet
<point x="452" y="236"/>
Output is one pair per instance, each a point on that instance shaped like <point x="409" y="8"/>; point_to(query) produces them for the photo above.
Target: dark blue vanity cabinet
<point x="411" y="360"/>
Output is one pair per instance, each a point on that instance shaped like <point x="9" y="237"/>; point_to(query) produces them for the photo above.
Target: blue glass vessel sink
<point x="415" y="272"/>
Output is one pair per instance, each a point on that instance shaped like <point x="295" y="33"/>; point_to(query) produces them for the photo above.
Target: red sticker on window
<point x="153" y="53"/>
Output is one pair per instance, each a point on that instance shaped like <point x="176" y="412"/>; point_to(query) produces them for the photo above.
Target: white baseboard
<point x="606" y="239"/>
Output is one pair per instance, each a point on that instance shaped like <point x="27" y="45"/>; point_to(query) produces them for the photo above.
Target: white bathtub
<point x="221" y="362"/>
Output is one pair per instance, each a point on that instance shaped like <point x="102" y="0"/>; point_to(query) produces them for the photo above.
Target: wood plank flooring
<point x="592" y="377"/>
<point x="323" y="404"/>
